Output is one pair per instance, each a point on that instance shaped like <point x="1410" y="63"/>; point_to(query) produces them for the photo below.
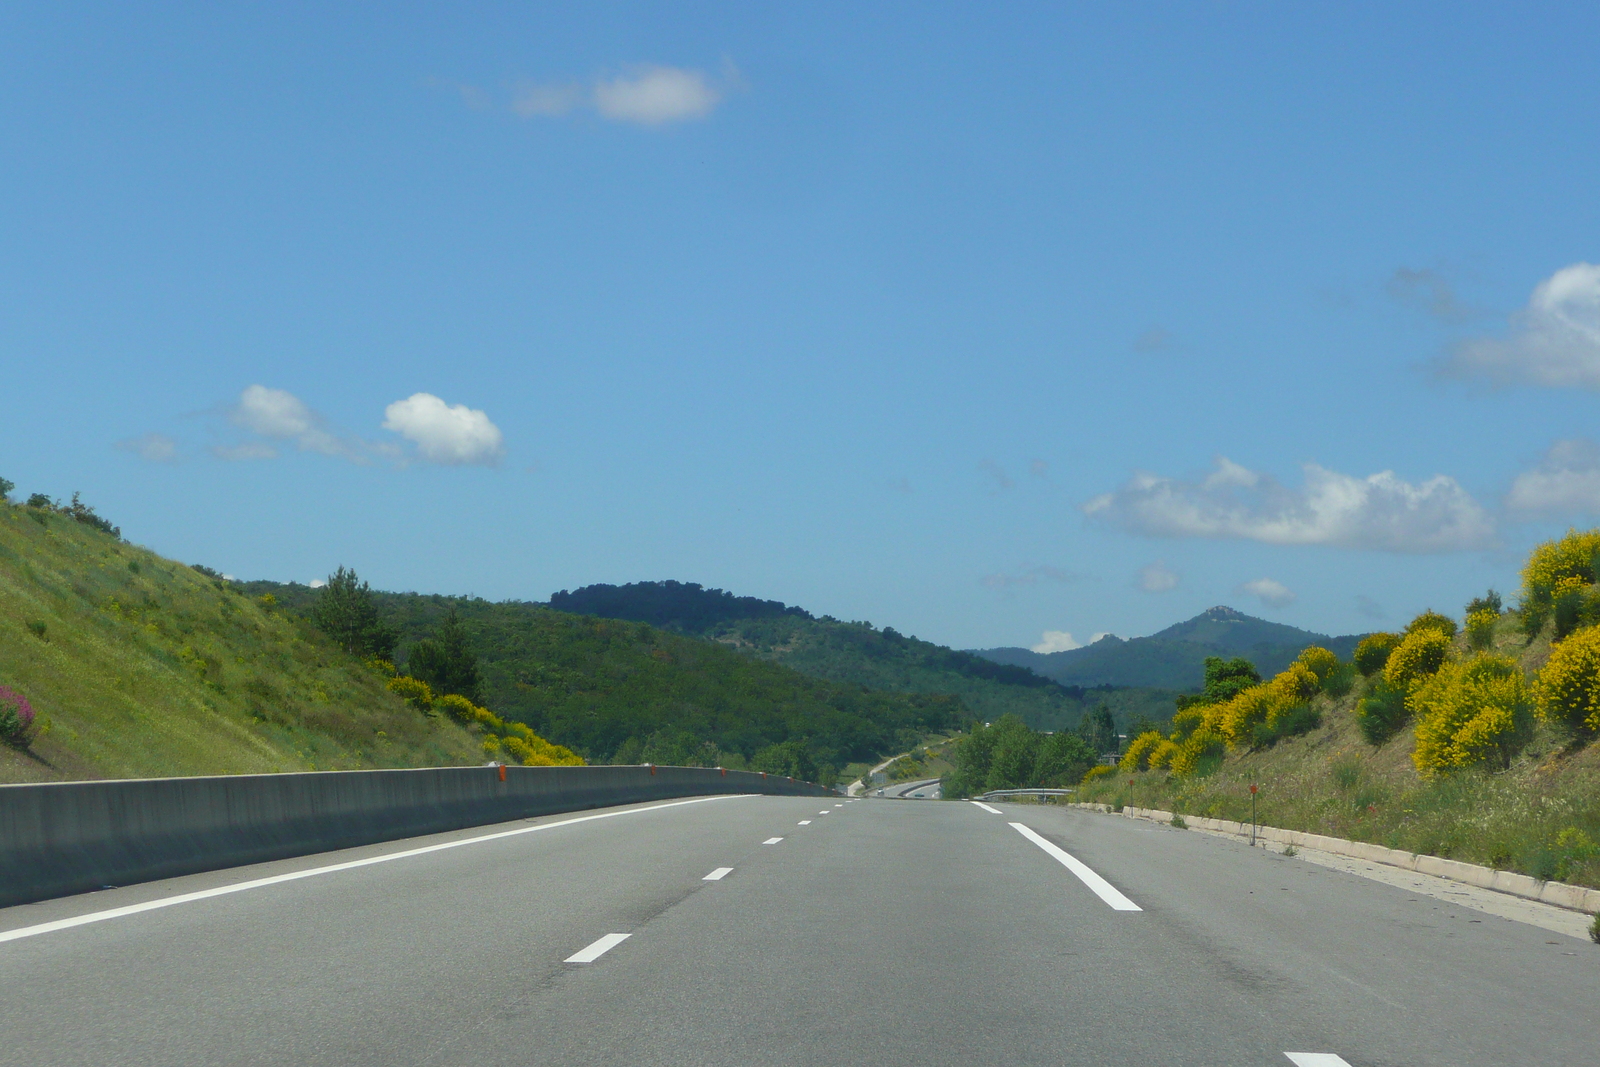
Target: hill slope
<point x="615" y="689"/>
<point x="1175" y="657"/>
<point x="138" y="666"/>
<point x="859" y="654"/>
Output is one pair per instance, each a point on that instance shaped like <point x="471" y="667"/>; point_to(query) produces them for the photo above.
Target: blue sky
<point x="981" y="324"/>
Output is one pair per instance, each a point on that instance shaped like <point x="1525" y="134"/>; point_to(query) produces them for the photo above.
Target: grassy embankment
<point x="138" y="666"/>
<point x="1539" y="816"/>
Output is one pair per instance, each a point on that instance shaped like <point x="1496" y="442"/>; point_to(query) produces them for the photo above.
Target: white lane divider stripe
<point x="598" y="949"/>
<point x="1102" y="888"/>
<point x="1316" y="1059"/>
<point x="312" y="872"/>
<point x="987" y="808"/>
<point x="772" y="841"/>
<point x="718" y="875"/>
<point x="805" y="822"/>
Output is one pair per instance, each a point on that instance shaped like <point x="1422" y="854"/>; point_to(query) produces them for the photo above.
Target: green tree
<point x="1098" y="730"/>
<point x="6" y="487"/>
<point x="1225" y="679"/>
<point x="790" y="758"/>
<point x="1063" y="760"/>
<point x="445" y="662"/>
<point x="345" y="612"/>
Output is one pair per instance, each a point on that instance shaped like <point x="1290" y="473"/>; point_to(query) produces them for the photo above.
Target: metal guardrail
<point x="998" y="794"/>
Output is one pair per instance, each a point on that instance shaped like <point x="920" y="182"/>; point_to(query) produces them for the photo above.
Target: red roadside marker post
<point x="1252" y="816"/>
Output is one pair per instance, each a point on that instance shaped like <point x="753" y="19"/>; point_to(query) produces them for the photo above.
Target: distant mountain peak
<point x="1223" y="613"/>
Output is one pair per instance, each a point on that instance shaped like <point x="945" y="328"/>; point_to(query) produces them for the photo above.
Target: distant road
<point x="881" y="933"/>
<point x="921" y="789"/>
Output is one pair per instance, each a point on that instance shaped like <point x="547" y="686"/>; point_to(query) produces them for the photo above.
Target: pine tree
<point x="445" y="662"/>
<point x="345" y="612"/>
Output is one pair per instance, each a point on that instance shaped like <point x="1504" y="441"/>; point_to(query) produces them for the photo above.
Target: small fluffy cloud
<point x="151" y="447"/>
<point x="1055" y="641"/>
<point x="279" y="415"/>
<point x="1380" y="511"/>
<point x="1554" y="341"/>
<point x="654" y="95"/>
<point x="1270" y="593"/>
<point x="550" y="101"/>
<point x="1566" y="481"/>
<point x="1030" y="577"/>
<point x="1158" y="578"/>
<point x="445" y="434"/>
<point x="1426" y="290"/>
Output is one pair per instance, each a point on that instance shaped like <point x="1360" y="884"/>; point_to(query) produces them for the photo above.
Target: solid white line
<point x="805" y="822"/>
<point x="312" y="872"/>
<point x="1102" y="888"/>
<point x="1316" y="1059"/>
<point x="772" y="841"/>
<point x="718" y="875"/>
<point x="598" y="949"/>
<point x="985" y="807"/>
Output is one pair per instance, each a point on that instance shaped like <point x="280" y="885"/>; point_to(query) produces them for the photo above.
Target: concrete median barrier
<point x="71" y="837"/>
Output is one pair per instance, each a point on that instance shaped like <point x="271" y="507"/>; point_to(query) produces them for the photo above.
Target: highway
<point x="794" y="931"/>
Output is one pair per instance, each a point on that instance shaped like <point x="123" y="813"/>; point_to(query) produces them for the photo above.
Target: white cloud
<point x="247" y="451"/>
<point x="1272" y="594"/>
<point x="653" y="95"/>
<point x="443" y="434"/>
<point x="1554" y="341"/>
<point x="1428" y="291"/>
<point x="1055" y="641"/>
<point x="281" y="416"/>
<point x="317" y="583"/>
<point x="1567" y="480"/>
<point x="1380" y="511"/>
<point x="1158" y="578"/>
<point x="152" y="447"/>
<point x="551" y="101"/>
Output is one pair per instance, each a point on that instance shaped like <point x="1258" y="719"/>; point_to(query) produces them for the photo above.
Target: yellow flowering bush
<point x="1416" y="657"/>
<point x="1161" y="756"/>
<point x="1099" y="770"/>
<point x="413" y="691"/>
<point x="1431" y="620"/>
<point x="1373" y="652"/>
<point x="1567" y="689"/>
<point x="457" y="707"/>
<point x="1480" y="629"/>
<point x="1187" y="721"/>
<point x="1236" y="720"/>
<point x="534" y="751"/>
<point x="1320" y="662"/>
<point x="1470" y="712"/>
<point x="1561" y="564"/>
<point x="1137" y="758"/>
<point x="1202" y="745"/>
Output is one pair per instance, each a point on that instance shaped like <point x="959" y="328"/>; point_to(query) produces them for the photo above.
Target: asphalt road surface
<point x="759" y="930"/>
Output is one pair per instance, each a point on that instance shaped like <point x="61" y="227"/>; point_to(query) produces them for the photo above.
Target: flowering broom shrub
<point x="1470" y="712"/>
<point x="1320" y="662"/>
<point x="1480" y="629"/>
<point x="1567" y="689"/>
<point x="1419" y="655"/>
<point x="1137" y="758"/>
<point x="1161" y="756"/>
<point x="412" y="691"/>
<point x="1431" y="620"/>
<point x="1373" y="652"/>
<point x="16" y="717"/>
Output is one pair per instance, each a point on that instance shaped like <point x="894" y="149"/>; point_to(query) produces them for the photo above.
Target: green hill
<point x="1175" y="657"/>
<point x="626" y="691"/>
<point x="859" y="654"/>
<point x="137" y="666"/>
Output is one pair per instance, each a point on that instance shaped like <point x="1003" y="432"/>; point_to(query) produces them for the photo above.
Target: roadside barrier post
<point x="1252" y="816"/>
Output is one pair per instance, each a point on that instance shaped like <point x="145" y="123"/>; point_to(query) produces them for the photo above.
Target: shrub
<point x="413" y="692"/>
<point x="40" y="501"/>
<point x="1431" y="620"/>
<point x="1097" y="771"/>
<point x="1200" y="754"/>
<point x="1237" y="719"/>
<point x="16" y="717"/>
<point x="1289" y="721"/>
<point x="1571" y="559"/>
<point x="1320" y="662"/>
<point x="1480" y="628"/>
<point x="1419" y="655"/>
<point x="457" y="707"/>
<point x="1373" y="652"/>
<point x="1341" y="681"/>
<point x="1138" y="755"/>
<point x="6" y="487"/>
<point x="1489" y="602"/>
<point x="1471" y="712"/>
<point x="1567" y="689"/>
<point x="1161" y="756"/>
<point x="39" y="630"/>
<point x="1382" y="712"/>
<point x="1187" y="720"/>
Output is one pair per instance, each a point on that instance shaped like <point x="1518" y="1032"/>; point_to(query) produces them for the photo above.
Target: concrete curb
<point x="59" y="838"/>
<point x="1559" y="894"/>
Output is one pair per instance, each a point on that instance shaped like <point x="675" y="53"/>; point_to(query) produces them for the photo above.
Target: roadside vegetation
<point x="1471" y="740"/>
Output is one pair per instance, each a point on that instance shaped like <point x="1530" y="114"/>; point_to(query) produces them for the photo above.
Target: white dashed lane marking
<point x="772" y="841"/>
<point x="718" y="875"/>
<point x="987" y="808"/>
<point x="1316" y="1059"/>
<point x="598" y="949"/>
<point x="1102" y="888"/>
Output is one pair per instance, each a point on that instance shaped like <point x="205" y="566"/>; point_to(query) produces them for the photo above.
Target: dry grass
<point x="147" y="668"/>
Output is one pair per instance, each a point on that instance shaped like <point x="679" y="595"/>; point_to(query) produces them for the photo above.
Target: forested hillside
<point x="117" y="663"/>
<point x="620" y="691"/>
<point x="1175" y="657"/>
<point x="860" y="654"/>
